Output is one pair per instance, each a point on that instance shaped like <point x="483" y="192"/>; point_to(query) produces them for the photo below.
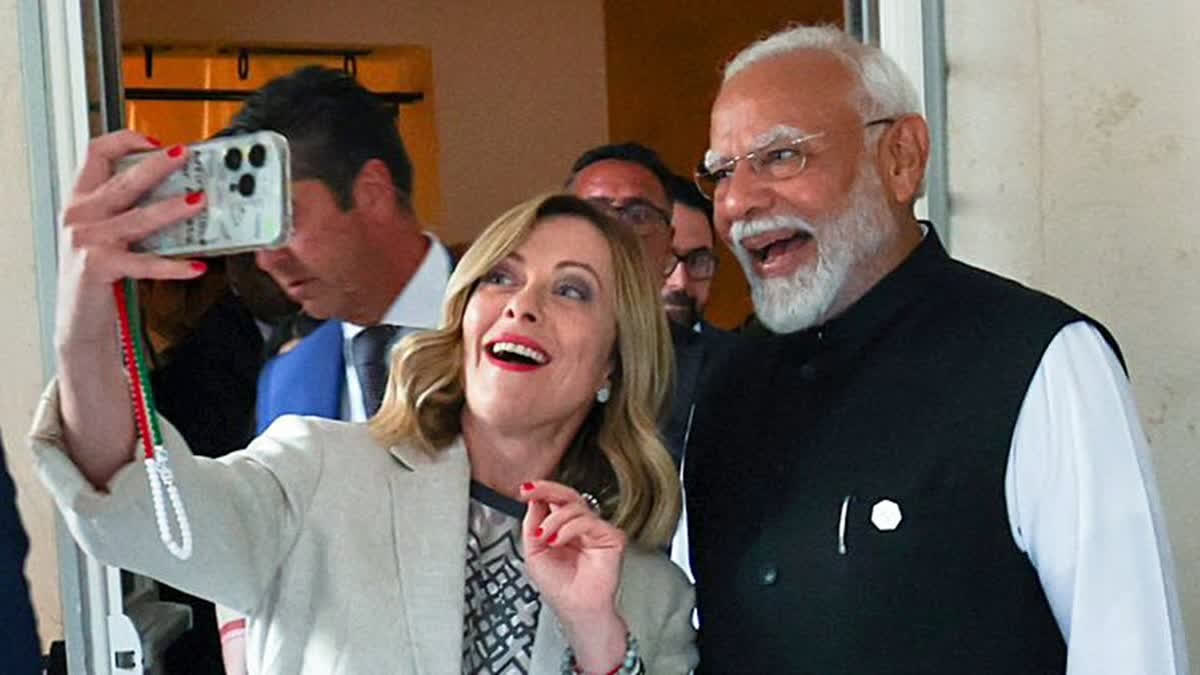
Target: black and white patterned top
<point x="502" y="606"/>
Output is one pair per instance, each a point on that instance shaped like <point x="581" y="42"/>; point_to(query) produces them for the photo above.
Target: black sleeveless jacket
<point x="910" y="396"/>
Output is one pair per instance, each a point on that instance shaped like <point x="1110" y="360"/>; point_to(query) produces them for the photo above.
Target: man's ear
<point x="903" y="154"/>
<point x="373" y="191"/>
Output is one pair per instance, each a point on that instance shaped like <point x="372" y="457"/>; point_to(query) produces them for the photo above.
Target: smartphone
<point x="246" y="181"/>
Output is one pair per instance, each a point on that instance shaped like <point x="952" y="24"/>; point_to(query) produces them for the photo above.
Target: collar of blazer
<point x="408" y="456"/>
<point x="415" y="458"/>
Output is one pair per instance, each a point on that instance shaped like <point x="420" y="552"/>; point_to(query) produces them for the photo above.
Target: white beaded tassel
<point x="160" y="475"/>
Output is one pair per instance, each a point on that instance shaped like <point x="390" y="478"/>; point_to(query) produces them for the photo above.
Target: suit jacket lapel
<point x="429" y="515"/>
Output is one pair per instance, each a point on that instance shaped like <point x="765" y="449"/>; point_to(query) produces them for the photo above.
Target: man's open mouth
<point x="766" y="247"/>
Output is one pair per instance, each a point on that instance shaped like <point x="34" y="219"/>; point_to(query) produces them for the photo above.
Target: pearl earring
<point x="602" y="394"/>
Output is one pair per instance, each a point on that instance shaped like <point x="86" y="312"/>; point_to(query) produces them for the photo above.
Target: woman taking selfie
<point x="501" y="512"/>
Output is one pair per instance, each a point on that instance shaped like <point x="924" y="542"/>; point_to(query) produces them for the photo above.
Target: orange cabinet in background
<point x="157" y="78"/>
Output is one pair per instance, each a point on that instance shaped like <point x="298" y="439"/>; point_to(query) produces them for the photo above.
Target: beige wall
<point x="1074" y="164"/>
<point x="20" y="348"/>
<point x="520" y="85"/>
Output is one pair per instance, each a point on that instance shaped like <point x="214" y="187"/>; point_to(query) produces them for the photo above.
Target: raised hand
<point x="574" y="558"/>
<point x="101" y="221"/>
<point x="99" y="224"/>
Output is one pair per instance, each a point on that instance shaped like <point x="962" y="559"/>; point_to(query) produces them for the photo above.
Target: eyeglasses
<point x="645" y="218"/>
<point x="700" y="263"/>
<point x="778" y="160"/>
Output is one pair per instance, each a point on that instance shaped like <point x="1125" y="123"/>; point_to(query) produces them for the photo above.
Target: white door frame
<point x="98" y="633"/>
<point x="913" y="33"/>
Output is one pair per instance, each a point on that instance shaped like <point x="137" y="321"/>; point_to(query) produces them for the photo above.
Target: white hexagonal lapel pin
<point x="885" y="515"/>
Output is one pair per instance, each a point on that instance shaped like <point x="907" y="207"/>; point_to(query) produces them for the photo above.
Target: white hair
<point x="884" y="90"/>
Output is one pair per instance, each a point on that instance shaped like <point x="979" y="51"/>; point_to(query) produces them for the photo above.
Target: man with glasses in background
<point x="629" y="182"/>
<point x="685" y="292"/>
<point x="929" y="468"/>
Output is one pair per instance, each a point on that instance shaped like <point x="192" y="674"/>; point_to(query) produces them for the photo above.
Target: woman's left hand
<point x="574" y="558"/>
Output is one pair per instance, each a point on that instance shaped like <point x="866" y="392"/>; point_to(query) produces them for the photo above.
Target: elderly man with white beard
<point x="930" y="468"/>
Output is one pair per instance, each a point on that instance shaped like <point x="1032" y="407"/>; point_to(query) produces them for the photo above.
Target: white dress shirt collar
<point x="419" y="305"/>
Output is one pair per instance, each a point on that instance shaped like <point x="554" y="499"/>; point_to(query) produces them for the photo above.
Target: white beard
<point x="803" y="300"/>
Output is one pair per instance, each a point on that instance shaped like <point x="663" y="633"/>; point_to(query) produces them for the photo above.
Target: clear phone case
<point x="247" y="183"/>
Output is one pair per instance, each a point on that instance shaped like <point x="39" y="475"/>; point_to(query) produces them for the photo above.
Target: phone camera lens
<point x="246" y="185"/>
<point x="258" y="155"/>
<point x="233" y="159"/>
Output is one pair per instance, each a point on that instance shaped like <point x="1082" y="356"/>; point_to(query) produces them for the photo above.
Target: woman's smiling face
<point x="539" y="331"/>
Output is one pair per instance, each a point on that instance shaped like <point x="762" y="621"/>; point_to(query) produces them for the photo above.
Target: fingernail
<point x="175" y="151"/>
<point x="538" y="533"/>
<point x="527" y="486"/>
<point x="198" y="266"/>
<point x="552" y="538"/>
<point x="194" y="198"/>
<point x="154" y="141"/>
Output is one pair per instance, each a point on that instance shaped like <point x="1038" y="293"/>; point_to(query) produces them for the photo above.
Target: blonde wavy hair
<point x="617" y="454"/>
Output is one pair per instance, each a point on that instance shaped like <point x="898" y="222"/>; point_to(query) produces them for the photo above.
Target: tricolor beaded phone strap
<point x="133" y="354"/>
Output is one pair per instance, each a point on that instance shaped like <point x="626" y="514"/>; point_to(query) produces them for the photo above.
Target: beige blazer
<point x="348" y="556"/>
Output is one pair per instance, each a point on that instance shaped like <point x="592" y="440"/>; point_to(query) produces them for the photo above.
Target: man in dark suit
<point x="20" y="651"/>
<point x="685" y="294"/>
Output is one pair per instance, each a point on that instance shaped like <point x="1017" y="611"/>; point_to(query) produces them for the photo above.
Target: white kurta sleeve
<point x="1083" y="505"/>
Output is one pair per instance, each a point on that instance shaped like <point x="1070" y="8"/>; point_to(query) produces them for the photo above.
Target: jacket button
<point x="767" y="575"/>
<point x="808" y="372"/>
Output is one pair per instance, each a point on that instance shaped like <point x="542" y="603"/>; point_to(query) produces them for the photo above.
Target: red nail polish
<point x="552" y="538"/>
<point x="175" y="151"/>
<point x="194" y="198"/>
<point x="527" y="486"/>
<point x="154" y="141"/>
<point x="538" y="533"/>
<point x="198" y="266"/>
